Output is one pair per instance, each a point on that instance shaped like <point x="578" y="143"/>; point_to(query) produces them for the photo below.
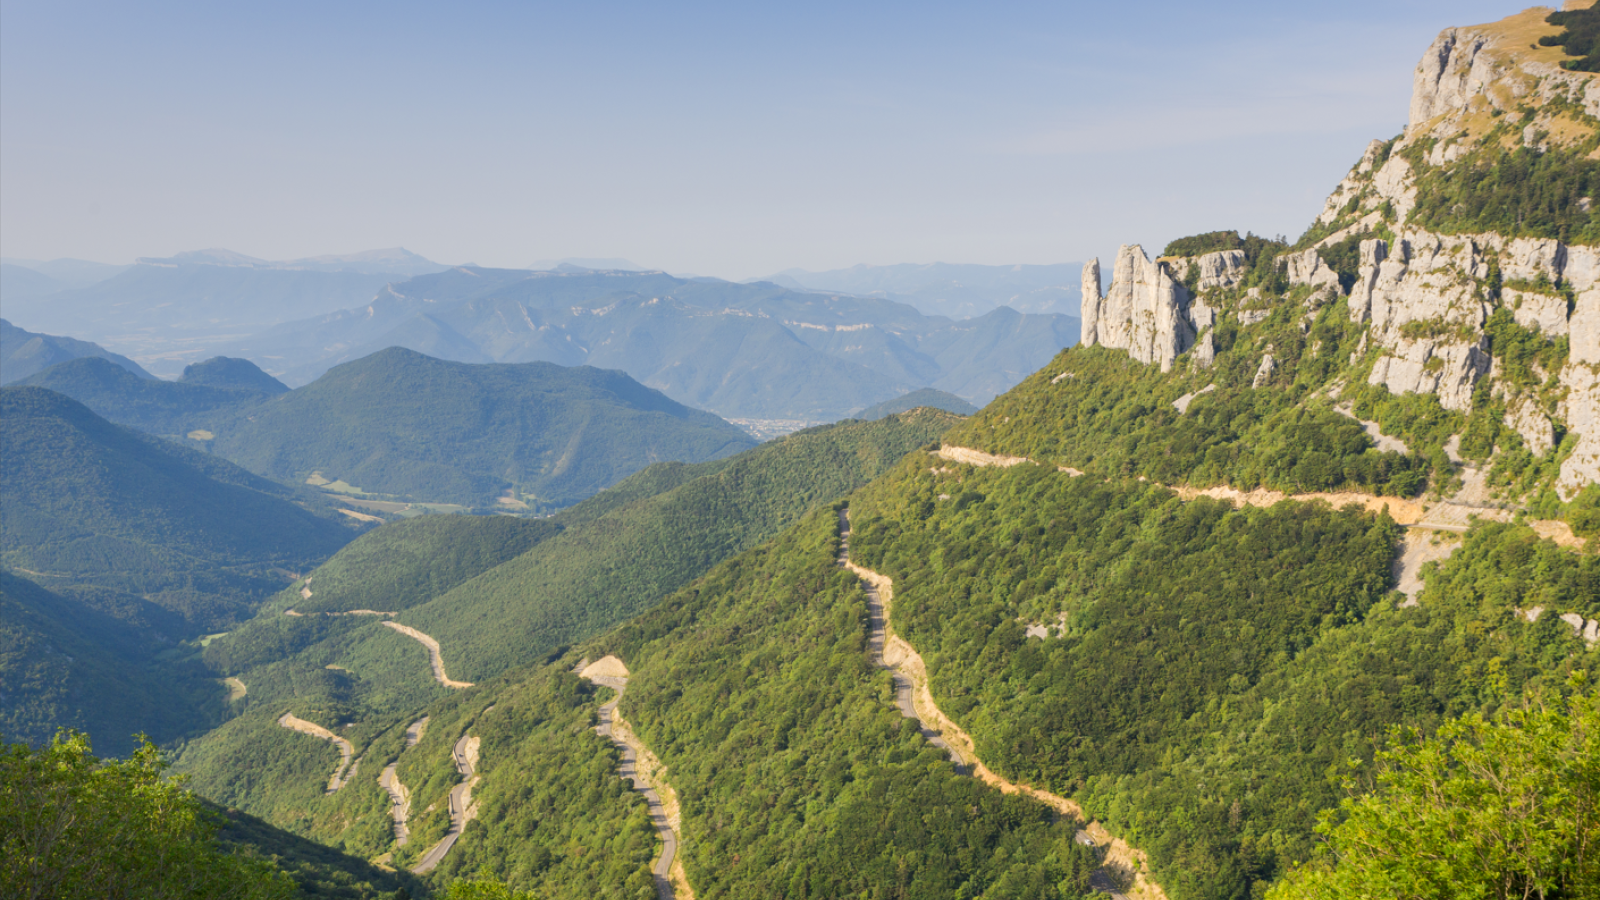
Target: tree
<point x="72" y="825"/>
<point x="1495" y="808"/>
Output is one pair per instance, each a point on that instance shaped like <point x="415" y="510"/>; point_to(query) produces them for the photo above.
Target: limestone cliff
<point x="1424" y="293"/>
<point x="1145" y="311"/>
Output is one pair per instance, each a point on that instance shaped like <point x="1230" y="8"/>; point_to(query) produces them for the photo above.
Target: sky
<point x="734" y="140"/>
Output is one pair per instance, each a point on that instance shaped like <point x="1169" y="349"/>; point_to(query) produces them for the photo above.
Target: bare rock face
<point x="1528" y="421"/>
<point x="1539" y="312"/>
<point x="1584" y="328"/>
<point x="1581" y="410"/>
<point x="1090" y="332"/>
<point x="1451" y="73"/>
<point x="1352" y="184"/>
<point x="1264" y="371"/>
<point x="1145" y="311"/>
<point x="1308" y="268"/>
<point x="1222" y="269"/>
<point x="1424" y="306"/>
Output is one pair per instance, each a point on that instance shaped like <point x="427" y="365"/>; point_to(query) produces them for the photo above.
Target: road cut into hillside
<point x="236" y="688"/>
<point x="648" y="776"/>
<point x="1453" y="514"/>
<point x="399" y="794"/>
<point x="435" y="658"/>
<point x="339" y="779"/>
<point x="353" y="612"/>
<point x="1122" y="866"/>
<point x="462" y="809"/>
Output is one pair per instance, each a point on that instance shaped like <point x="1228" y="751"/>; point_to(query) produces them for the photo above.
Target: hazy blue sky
<point x="733" y="140"/>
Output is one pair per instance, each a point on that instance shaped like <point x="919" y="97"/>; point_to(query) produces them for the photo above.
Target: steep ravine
<point x="1122" y="865"/>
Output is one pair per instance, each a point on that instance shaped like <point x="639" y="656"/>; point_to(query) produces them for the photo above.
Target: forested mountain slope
<point x="136" y="521"/>
<point x="131" y="544"/>
<point x="23" y="352"/>
<point x="168" y="408"/>
<point x="398" y="422"/>
<point x="609" y="562"/>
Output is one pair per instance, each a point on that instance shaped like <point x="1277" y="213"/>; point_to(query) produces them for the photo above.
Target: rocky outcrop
<point x="1531" y="424"/>
<point x="1425" y="298"/>
<point x="1145" y="311"/>
<point x="1451" y="74"/>
<point x="1264" y="372"/>
<point x="1308" y="268"/>
<point x="1429" y="283"/>
<point x="1220" y="270"/>
<point x="1089" y="333"/>
<point x="1537" y="311"/>
<point x="1581" y="410"/>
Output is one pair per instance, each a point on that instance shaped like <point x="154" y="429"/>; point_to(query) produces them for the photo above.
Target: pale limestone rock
<point x="1582" y="269"/>
<point x="1308" y="268"/>
<point x="1584" y="327"/>
<point x="1351" y="185"/>
<point x="1264" y="371"/>
<point x="1450" y="74"/>
<point x="1393" y="183"/>
<point x="1529" y="258"/>
<point x="1373" y="253"/>
<point x="1204" y="351"/>
<point x="1407" y="370"/>
<point x="1145" y="311"/>
<point x="1223" y="269"/>
<point x="1249" y="317"/>
<point x="1581" y="410"/>
<point x="1540" y="312"/>
<point x="1526" y="418"/>
<point x="1092" y="299"/>
<point x="1182" y="403"/>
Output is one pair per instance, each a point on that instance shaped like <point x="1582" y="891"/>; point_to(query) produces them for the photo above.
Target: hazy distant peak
<point x="392" y="260"/>
<point x="214" y="256"/>
<point x="581" y="262"/>
<point x="956" y="290"/>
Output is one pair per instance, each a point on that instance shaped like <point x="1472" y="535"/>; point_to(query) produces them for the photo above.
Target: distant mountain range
<point x="171" y="311"/>
<point x="22" y="353"/>
<point x="740" y="350"/>
<point x="954" y="290"/>
<point x="762" y="350"/>
<point x="391" y="261"/>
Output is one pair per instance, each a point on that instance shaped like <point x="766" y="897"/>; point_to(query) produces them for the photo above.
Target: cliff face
<point x="1145" y="312"/>
<point x="1425" y="297"/>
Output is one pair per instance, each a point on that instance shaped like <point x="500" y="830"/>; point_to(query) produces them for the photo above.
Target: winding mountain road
<point x="462" y="809"/>
<point x="1119" y="862"/>
<point x="890" y="652"/>
<point x="641" y="767"/>
<point x="339" y="779"/>
<point x="399" y="795"/>
<point x="435" y="658"/>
